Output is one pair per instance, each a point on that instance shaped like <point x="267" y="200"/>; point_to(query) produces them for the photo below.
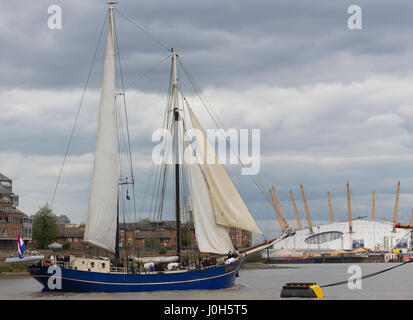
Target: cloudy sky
<point x="333" y="104"/>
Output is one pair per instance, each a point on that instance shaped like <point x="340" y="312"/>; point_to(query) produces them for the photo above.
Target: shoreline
<point x="263" y="265"/>
<point x="14" y="274"/>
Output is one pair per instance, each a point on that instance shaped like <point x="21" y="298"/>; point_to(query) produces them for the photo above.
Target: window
<point x="69" y="239"/>
<point x="122" y="232"/>
<point x="358" y="244"/>
<point x="323" y="237"/>
<point x="75" y="239"/>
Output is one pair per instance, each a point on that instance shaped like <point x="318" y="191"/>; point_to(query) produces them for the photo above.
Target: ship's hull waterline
<point x="219" y="277"/>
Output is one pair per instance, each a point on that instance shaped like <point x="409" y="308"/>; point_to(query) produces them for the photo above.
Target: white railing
<point x="64" y="265"/>
<point x="118" y="269"/>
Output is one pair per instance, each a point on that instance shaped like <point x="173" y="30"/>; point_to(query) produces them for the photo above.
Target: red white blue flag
<point x="21" y="247"/>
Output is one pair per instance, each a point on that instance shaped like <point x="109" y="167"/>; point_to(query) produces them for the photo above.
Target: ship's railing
<point x="63" y="264"/>
<point x="118" y="269"/>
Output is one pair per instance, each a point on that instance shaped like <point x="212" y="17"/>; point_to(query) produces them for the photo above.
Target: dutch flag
<point x="21" y="247"/>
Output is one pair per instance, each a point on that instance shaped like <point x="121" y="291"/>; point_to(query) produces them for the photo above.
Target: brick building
<point x="163" y="233"/>
<point x="241" y="238"/>
<point x="148" y="234"/>
<point x="12" y="220"/>
<point x="72" y="235"/>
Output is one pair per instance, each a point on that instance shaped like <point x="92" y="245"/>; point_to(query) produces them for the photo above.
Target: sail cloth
<point x="229" y="208"/>
<point x="210" y="236"/>
<point x="101" y="221"/>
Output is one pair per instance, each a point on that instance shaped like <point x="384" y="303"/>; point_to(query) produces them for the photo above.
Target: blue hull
<point x="219" y="277"/>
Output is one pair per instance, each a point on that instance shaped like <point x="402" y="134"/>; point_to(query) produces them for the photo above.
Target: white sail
<point x="229" y="208"/>
<point x="101" y="221"/>
<point x="210" y="236"/>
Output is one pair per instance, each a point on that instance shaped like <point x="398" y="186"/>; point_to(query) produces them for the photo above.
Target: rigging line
<point x="147" y="72"/>
<point x="126" y="118"/>
<point x="154" y="167"/>
<point x="197" y="91"/>
<point x="78" y="110"/>
<point x="366" y="276"/>
<point x="160" y="43"/>
<point x="408" y="233"/>
<point x="163" y="169"/>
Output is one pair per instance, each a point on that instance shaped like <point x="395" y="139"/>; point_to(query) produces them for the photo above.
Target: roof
<point x="4" y="178"/>
<point x="152" y="235"/>
<point x="13" y="211"/>
<point x="70" y="232"/>
<point x="5" y="190"/>
<point x="62" y="219"/>
<point x="153" y="225"/>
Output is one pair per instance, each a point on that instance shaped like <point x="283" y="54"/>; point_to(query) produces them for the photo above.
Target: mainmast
<point x="177" y="157"/>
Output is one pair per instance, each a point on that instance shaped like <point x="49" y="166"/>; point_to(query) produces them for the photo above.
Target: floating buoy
<point x="301" y="290"/>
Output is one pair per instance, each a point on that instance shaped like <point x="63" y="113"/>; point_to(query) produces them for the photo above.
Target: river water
<point x="253" y="284"/>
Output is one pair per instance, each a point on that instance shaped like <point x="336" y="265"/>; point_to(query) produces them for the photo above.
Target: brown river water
<point x="253" y="284"/>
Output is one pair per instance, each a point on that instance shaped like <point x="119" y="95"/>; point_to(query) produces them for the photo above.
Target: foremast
<point x="177" y="154"/>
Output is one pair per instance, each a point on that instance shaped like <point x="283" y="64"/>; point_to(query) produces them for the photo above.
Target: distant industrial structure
<point x="13" y="222"/>
<point x="373" y="234"/>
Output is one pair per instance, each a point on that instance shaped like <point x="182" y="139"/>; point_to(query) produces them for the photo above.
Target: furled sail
<point x="210" y="236"/>
<point x="229" y="208"/>
<point x="101" y="221"/>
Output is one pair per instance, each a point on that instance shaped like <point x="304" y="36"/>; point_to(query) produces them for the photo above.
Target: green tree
<point x="44" y="227"/>
<point x="66" y="246"/>
<point x="185" y="239"/>
<point x="152" y="243"/>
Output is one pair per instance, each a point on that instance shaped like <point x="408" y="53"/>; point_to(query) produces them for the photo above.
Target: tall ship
<point x="216" y="205"/>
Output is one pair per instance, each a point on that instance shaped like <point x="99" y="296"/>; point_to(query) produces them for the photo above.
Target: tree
<point x="66" y="246"/>
<point x="45" y="227"/>
<point x="185" y="238"/>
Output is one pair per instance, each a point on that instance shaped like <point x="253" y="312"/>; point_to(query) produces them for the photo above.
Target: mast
<point x="277" y="211"/>
<point x="307" y="212"/>
<point x="330" y="208"/>
<point x="373" y="214"/>
<point x="396" y="207"/>
<point x="295" y="211"/>
<point x="280" y="209"/>
<point x="176" y="144"/>
<point x="117" y="251"/>
<point x="350" y="219"/>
